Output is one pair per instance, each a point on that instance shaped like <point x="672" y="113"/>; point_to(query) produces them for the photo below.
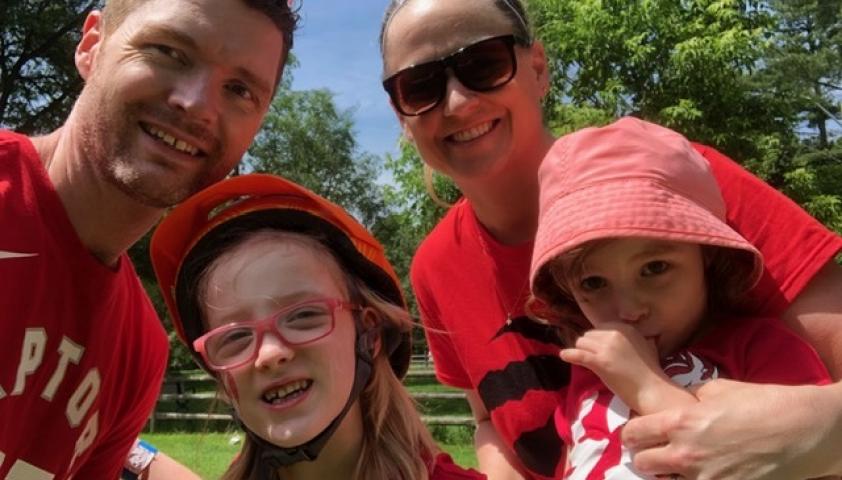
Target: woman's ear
<point x="540" y="68"/>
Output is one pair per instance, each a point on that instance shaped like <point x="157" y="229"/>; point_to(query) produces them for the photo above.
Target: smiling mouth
<point x="286" y="393"/>
<point x="177" y="144"/>
<point x="472" y="133"/>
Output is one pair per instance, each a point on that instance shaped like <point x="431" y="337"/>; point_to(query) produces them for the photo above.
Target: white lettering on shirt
<point x="83" y="398"/>
<point x="70" y="352"/>
<point x="30" y="356"/>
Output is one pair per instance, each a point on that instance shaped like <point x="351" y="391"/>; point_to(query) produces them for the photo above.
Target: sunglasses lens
<point x="483" y="66"/>
<point x="417" y="89"/>
<point x="486" y="65"/>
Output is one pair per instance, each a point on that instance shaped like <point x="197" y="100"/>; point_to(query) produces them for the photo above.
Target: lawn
<point x="209" y="453"/>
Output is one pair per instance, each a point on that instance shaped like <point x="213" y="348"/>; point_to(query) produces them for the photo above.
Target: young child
<point x="632" y="236"/>
<point x="293" y="307"/>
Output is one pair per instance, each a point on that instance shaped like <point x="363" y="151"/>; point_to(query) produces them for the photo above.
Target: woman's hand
<point x="741" y="431"/>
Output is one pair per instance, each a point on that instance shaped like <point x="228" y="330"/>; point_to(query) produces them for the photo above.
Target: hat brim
<point x="631" y="208"/>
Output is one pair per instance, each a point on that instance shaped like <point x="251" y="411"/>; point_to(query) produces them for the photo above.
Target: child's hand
<point x="625" y="361"/>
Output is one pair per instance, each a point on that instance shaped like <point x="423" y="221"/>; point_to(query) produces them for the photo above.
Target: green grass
<point x="208" y="454"/>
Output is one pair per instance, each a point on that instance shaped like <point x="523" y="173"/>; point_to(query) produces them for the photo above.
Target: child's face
<point x="656" y="286"/>
<point x="288" y="393"/>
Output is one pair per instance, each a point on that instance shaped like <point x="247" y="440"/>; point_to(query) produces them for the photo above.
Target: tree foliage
<point x="688" y="65"/>
<point x="413" y="212"/>
<point x="38" y="78"/>
<point x="742" y="76"/>
<point x="307" y="139"/>
<point x="804" y="63"/>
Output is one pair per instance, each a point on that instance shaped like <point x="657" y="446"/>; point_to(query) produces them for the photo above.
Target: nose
<point x="194" y="94"/>
<point x="458" y="98"/>
<point x="272" y="351"/>
<point x="631" y="308"/>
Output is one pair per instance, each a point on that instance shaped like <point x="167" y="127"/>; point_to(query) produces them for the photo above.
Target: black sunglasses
<point x="482" y="66"/>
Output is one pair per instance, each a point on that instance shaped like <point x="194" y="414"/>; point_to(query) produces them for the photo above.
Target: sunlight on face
<point x="656" y="286"/>
<point x="287" y="394"/>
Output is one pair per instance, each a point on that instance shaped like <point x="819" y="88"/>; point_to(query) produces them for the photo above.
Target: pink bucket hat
<point x="628" y="179"/>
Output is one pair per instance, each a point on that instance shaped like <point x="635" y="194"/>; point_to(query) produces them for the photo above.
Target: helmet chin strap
<point x="271" y="457"/>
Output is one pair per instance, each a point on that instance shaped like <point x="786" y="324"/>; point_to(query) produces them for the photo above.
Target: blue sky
<point x="337" y="48"/>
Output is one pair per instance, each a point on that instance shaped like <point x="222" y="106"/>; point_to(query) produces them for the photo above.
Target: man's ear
<point x="88" y="47"/>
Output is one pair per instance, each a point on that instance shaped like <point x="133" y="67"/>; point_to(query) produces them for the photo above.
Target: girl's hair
<point x="396" y="444"/>
<point x="728" y="274"/>
<point x="512" y="9"/>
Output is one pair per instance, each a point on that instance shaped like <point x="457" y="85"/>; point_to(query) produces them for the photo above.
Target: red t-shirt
<point x="445" y="469"/>
<point x="758" y="350"/>
<point x="467" y="284"/>
<point x="83" y="352"/>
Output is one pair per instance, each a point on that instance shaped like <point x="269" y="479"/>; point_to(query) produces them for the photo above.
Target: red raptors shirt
<point x="466" y="283"/>
<point x="83" y="351"/>
<point x="758" y="350"/>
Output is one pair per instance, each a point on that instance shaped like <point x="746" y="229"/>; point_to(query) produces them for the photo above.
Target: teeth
<point x="472" y="133"/>
<point x="177" y="144"/>
<point x="285" y="390"/>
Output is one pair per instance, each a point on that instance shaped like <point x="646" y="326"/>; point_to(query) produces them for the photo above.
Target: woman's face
<point x="287" y="394"/>
<point x="469" y="135"/>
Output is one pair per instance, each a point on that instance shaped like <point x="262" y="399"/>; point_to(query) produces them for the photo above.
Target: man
<point x="174" y="93"/>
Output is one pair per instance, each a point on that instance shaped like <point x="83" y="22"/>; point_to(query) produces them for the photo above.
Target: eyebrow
<point x="188" y="41"/>
<point x="655" y="248"/>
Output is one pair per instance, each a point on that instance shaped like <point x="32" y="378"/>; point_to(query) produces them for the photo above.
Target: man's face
<point x="174" y="95"/>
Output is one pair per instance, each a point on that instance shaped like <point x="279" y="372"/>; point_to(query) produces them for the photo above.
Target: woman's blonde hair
<point x="396" y="444"/>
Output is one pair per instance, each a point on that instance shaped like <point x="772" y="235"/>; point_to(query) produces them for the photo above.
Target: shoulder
<point x="139" y="306"/>
<point x="444" y="239"/>
<point x="444" y="469"/>
<point x="14" y="145"/>
<point x="8" y="137"/>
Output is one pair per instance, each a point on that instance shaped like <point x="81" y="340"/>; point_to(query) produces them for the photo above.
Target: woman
<point x="293" y="307"/>
<point x="466" y="80"/>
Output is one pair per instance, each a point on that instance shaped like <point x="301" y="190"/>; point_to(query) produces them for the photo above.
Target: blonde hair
<point x="396" y="444"/>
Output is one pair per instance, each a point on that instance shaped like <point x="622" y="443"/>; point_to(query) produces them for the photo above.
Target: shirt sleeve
<point x="446" y="363"/>
<point x="795" y="246"/>
<point x="774" y="354"/>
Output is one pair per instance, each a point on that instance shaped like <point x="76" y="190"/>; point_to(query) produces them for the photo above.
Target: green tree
<point x="38" y="78"/>
<point x="803" y="68"/>
<point x="804" y="65"/>
<point x="307" y="139"/>
<point x="412" y="214"/>
<point x="687" y="65"/>
<point x="413" y="211"/>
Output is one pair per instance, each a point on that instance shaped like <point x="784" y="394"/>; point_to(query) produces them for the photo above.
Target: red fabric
<point x="83" y="350"/>
<point x="445" y="469"/>
<point x="795" y="246"/>
<point x="459" y="274"/>
<point x="455" y="280"/>
<point x="759" y="350"/>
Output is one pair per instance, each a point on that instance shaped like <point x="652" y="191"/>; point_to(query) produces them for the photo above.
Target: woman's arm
<point x="494" y="458"/>
<point x="816" y="315"/>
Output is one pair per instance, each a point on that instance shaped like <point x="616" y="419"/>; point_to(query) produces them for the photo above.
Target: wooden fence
<point x="177" y="388"/>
